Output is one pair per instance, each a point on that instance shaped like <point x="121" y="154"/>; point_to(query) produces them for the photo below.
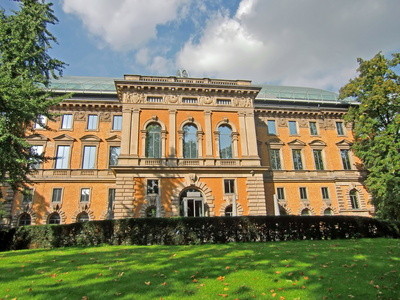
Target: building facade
<point x="146" y="146"/>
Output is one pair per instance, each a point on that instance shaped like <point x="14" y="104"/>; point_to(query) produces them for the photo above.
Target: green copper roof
<point x="268" y="92"/>
<point x="84" y="84"/>
<point x="272" y="92"/>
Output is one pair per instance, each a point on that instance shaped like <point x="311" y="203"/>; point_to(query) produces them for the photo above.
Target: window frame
<point x="226" y="152"/>
<point x="293" y="130"/>
<point x="155" y="138"/>
<point x="297" y="161"/>
<point x="113" y="126"/>
<point x="188" y="135"/>
<point x="67" y="158"/>
<point x="340" y="128"/>
<point x="313" y="128"/>
<point x="87" y="160"/>
<point x="40" y="119"/>
<point x="275" y="159"/>
<point x="318" y="159"/>
<point x="89" y="125"/>
<point x="71" y="121"/>
<point x="54" y="192"/>
<point x="24" y="219"/>
<point x="155" y="189"/>
<point x="110" y="156"/>
<point x="273" y="125"/>
<point x="303" y="193"/>
<point x="50" y="217"/>
<point x="345" y="157"/>
<point x="229" y="186"/>
<point x="325" y="193"/>
<point x="27" y="195"/>
<point x="82" y="196"/>
<point x="354" y="199"/>
<point x="280" y="193"/>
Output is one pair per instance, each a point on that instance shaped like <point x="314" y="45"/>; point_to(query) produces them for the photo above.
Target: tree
<point x="25" y="71"/>
<point x="376" y="125"/>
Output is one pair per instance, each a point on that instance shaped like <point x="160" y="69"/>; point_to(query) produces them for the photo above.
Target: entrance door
<point x="193" y="207"/>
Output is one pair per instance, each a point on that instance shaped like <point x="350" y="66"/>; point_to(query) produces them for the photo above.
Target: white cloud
<point x="124" y="24"/>
<point x="307" y="43"/>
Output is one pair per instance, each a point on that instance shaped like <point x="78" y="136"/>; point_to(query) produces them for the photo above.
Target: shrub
<point x="185" y="231"/>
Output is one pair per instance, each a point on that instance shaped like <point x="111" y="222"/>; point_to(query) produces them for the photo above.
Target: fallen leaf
<point x="164" y="283"/>
<point x="221" y="278"/>
<point x="147" y="282"/>
<point x="273" y="295"/>
<point x="227" y="267"/>
<point x="278" y="272"/>
<point x="223" y="295"/>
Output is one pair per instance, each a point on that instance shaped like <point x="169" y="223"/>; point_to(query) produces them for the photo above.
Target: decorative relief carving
<point x="282" y="122"/>
<point x="133" y="97"/>
<point x="80" y="116"/>
<point x="242" y="102"/>
<point x="105" y="117"/>
<point x="303" y="123"/>
<point x="172" y="99"/>
<point x="206" y="100"/>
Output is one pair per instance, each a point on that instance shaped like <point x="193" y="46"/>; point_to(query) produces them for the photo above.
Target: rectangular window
<point x="280" y="192"/>
<point x="41" y="122"/>
<point x="313" y="128"/>
<point x="293" y="128"/>
<point x="114" y="154"/>
<point x="297" y="161"/>
<point x="325" y="193"/>
<point x="224" y="101"/>
<point x="36" y="150"/>
<point x="110" y="206"/>
<point x="27" y="196"/>
<point x="89" y="157"/>
<point x="189" y="100"/>
<point x="303" y="193"/>
<point x="92" y="122"/>
<point x="229" y="186"/>
<point x="275" y="158"/>
<point x="271" y="127"/>
<point x="319" y="164"/>
<point x="154" y="99"/>
<point x="117" y="123"/>
<point x="66" y="122"/>
<point x="344" y="153"/>
<point x="57" y="194"/>
<point x="152" y="186"/>
<point x="62" y="158"/>
<point x="85" y="195"/>
<point x="339" y="128"/>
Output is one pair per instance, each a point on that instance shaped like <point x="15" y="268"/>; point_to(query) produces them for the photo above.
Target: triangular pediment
<point x="64" y="137"/>
<point x="297" y="142"/>
<point x="344" y="143"/>
<point x="275" y="141"/>
<point x="90" y="138"/>
<point x="114" y="138"/>
<point x="37" y="137"/>
<point x="318" y="143"/>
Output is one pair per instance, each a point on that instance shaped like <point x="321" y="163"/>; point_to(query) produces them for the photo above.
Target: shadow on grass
<point x="360" y="269"/>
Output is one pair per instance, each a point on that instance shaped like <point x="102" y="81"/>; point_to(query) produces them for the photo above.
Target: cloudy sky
<point x="311" y="43"/>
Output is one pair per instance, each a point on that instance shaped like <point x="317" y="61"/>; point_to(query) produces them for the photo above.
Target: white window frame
<point x="92" y="122"/>
<point x="83" y="196"/>
<point x="89" y="159"/>
<point x="117" y="125"/>
<point x="67" y="121"/>
<point x="295" y="128"/>
<point x="273" y="124"/>
<point x="60" y="195"/>
<point x="62" y="162"/>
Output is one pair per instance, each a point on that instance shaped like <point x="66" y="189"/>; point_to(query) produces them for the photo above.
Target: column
<point x="126" y="131"/>
<point x="208" y="133"/>
<point x="243" y="134"/>
<point x="172" y="133"/>
<point x="135" y="133"/>
<point x="251" y="135"/>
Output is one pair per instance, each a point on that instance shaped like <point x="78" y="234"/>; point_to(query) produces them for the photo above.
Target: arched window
<point x="328" y="212"/>
<point x="190" y="141"/>
<point x="24" y="219"/>
<point x="354" y="199"/>
<point x="54" y="218"/>
<point x="225" y="141"/>
<point x="306" y="212"/>
<point x="192" y="204"/>
<point x="229" y="210"/>
<point x="153" y="140"/>
<point x="82" y="217"/>
<point x="151" y="211"/>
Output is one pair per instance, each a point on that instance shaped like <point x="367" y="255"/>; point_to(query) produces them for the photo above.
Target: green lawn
<point x="338" y="269"/>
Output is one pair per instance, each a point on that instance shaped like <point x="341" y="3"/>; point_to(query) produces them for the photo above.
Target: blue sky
<point x="309" y="43"/>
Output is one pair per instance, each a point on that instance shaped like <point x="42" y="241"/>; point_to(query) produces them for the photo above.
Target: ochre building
<point x="146" y="146"/>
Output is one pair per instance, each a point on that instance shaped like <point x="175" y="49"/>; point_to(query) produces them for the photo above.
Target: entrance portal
<point x="192" y="204"/>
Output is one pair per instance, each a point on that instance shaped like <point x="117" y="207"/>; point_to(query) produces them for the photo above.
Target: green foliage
<point x="191" y="231"/>
<point x="25" y="69"/>
<point x="376" y="123"/>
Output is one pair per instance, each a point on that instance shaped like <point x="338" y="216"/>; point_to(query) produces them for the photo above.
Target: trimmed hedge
<point x="185" y="231"/>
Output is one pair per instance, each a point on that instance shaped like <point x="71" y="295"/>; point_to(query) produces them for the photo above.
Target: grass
<point x="337" y="269"/>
